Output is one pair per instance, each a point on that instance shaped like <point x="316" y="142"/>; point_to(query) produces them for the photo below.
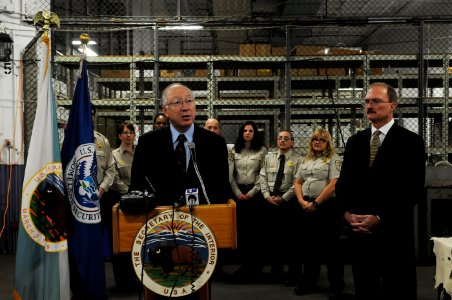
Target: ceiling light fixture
<point x="79" y="43"/>
<point x="182" y="27"/>
<point x="89" y="52"/>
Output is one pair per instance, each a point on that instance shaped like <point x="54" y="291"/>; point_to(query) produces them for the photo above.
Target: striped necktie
<point x="374" y="145"/>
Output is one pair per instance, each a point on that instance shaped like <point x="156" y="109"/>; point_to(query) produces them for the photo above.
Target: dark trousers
<point x="280" y="237"/>
<point x="249" y="231"/>
<point x="382" y="269"/>
<point x="320" y="245"/>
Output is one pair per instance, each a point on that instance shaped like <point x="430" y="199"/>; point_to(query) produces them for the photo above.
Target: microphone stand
<point x="191" y="146"/>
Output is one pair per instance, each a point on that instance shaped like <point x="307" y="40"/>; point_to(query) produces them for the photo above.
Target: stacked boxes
<point x="115" y="73"/>
<point x="247" y="50"/>
<point x="267" y="50"/>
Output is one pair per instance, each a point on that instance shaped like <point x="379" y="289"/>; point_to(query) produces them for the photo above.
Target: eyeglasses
<point x="374" y="102"/>
<point x="128" y="133"/>
<point x="178" y="102"/>
<point x="285" y="138"/>
<point x="319" y="140"/>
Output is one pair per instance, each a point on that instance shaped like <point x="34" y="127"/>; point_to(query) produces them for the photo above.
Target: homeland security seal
<point x="42" y="209"/>
<point x="174" y="255"/>
<point x="82" y="185"/>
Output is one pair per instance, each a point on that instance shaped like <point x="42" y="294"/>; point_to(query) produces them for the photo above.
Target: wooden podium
<point x="221" y="219"/>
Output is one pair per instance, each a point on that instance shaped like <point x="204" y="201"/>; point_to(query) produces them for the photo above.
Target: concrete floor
<point x="222" y="290"/>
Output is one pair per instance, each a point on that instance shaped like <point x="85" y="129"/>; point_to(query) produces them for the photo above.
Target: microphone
<point x="192" y="148"/>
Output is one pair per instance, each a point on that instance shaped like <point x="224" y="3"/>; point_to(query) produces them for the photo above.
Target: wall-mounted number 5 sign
<point x="7" y="66"/>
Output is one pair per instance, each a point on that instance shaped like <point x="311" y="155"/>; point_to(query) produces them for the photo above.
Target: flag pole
<point x="42" y="265"/>
<point x="84" y="39"/>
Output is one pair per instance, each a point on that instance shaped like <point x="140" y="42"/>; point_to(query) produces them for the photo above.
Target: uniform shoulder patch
<point x="338" y="164"/>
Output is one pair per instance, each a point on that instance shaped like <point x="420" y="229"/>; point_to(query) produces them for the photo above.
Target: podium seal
<point x="174" y="254"/>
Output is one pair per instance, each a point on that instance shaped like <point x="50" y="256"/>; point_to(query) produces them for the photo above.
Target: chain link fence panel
<point x="293" y="76"/>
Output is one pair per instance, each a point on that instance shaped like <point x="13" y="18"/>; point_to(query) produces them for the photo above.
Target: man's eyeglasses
<point x="319" y="140"/>
<point x="178" y="102"/>
<point x="284" y="138"/>
<point x="128" y="133"/>
<point x="374" y="102"/>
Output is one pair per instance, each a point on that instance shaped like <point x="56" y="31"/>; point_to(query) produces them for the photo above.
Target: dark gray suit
<point x="390" y="188"/>
<point x="155" y="158"/>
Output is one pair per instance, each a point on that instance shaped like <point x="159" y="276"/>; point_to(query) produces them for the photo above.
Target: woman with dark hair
<point x="249" y="154"/>
<point x="160" y="120"/>
<point x="123" y="156"/>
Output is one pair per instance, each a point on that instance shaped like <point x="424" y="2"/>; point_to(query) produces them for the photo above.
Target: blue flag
<point x="42" y="267"/>
<point x="80" y="178"/>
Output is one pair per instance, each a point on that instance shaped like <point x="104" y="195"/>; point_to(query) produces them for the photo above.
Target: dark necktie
<point x="374" y="145"/>
<point x="280" y="175"/>
<point x="180" y="153"/>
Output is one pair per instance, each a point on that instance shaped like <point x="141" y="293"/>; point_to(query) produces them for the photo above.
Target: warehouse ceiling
<point x="229" y="23"/>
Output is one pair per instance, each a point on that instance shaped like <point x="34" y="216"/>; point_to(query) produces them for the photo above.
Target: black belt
<point x="245" y="188"/>
<point x="310" y="199"/>
<point x="277" y="194"/>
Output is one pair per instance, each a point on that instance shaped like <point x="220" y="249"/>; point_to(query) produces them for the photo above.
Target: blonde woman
<point x="314" y="187"/>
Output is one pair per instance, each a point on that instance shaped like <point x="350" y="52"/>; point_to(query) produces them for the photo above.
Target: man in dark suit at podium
<point x="181" y="156"/>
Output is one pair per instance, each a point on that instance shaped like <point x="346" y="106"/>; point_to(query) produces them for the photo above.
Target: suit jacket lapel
<point x="168" y="145"/>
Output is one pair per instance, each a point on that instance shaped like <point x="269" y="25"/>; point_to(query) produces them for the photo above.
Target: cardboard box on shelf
<point x="264" y="72"/>
<point x="308" y="72"/>
<point x="332" y="71"/>
<point x="263" y="49"/>
<point x="115" y="73"/>
<point x="247" y="49"/>
<point x="170" y="73"/>
<point x="200" y="73"/>
<point x="279" y="51"/>
<point x="227" y="72"/>
<point x="309" y="50"/>
<point x="247" y="72"/>
<point x="373" y="71"/>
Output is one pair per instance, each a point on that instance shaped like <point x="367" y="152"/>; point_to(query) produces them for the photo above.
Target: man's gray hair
<point x="165" y="91"/>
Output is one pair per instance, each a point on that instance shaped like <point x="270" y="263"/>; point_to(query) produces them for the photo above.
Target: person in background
<point x="314" y="187"/>
<point x="106" y="174"/>
<point x="276" y="180"/>
<point x="106" y="170"/>
<point x="160" y="120"/>
<point x="213" y="125"/>
<point x="123" y="156"/>
<point x="249" y="153"/>
<point x="381" y="181"/>
<point x="123" y="272"/>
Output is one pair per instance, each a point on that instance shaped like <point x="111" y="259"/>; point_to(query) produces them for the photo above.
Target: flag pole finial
<point x="45" y="19"/>
<point x="84" y="39"/>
